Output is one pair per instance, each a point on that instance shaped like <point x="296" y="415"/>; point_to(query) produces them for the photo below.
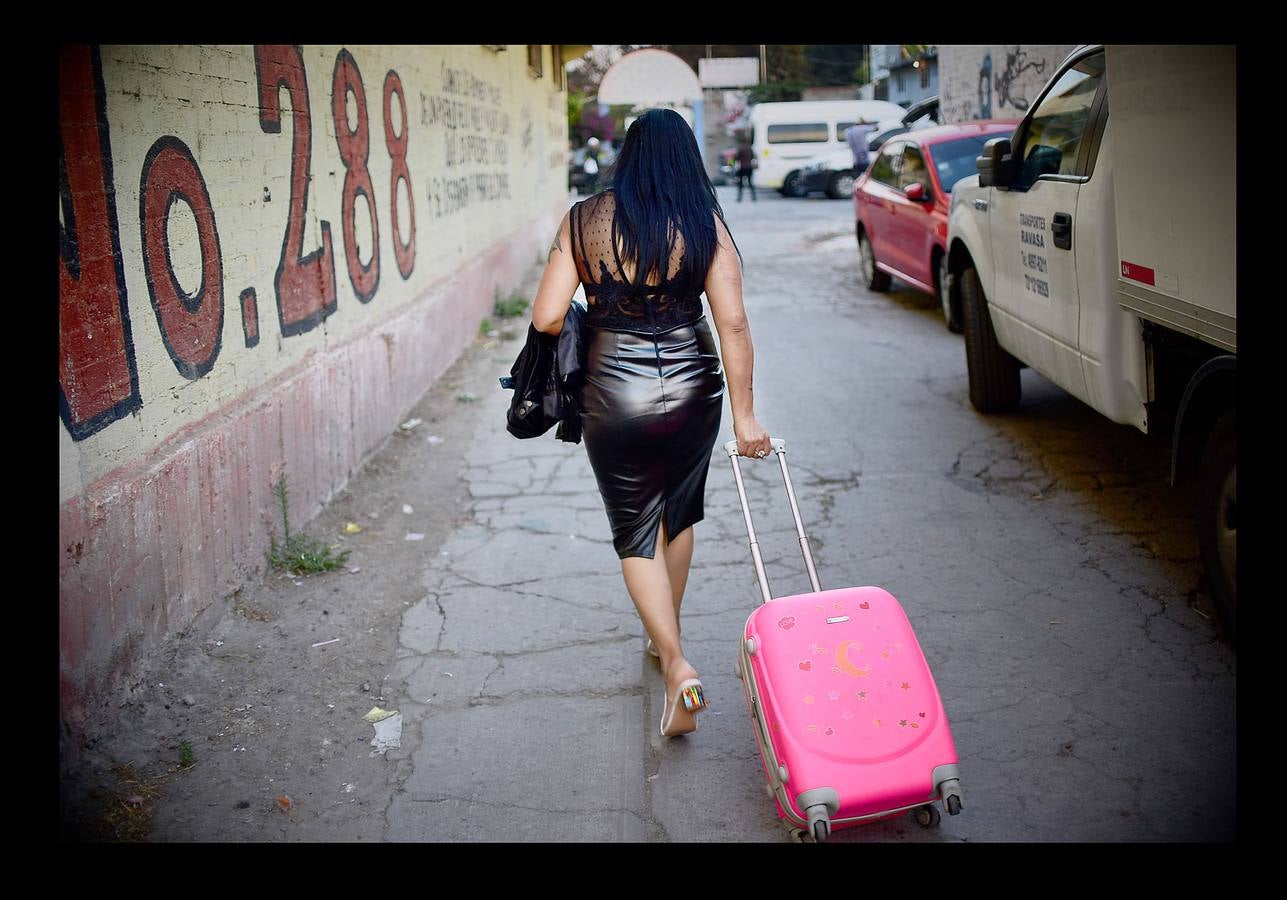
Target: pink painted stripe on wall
<point x="166" y="536"/>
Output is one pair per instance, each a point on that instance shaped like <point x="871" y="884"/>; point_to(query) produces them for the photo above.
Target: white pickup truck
<point x="1097" y="245"/>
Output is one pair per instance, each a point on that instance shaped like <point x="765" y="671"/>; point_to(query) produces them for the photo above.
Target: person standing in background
<point x="857" y="136"/>
<point x="745" y="166"/>
<point x="591" y="165"/>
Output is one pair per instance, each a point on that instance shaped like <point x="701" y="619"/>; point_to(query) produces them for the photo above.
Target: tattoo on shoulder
<point x="555" y="246"/>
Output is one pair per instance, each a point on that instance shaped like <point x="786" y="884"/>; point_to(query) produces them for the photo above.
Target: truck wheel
<point x="793" y="185"/>
<point x="875" y="279"/>
<point x="994" y="373"/>
<point x="1218" y="519"/>
<point x="945" y="296"/>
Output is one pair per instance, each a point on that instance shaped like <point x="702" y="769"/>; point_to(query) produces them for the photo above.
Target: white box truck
<point x="1097" y="245"/>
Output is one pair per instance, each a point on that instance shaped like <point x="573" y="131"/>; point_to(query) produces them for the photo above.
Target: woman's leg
<point x="679" y="557"/>
<point x="654" y="596"/>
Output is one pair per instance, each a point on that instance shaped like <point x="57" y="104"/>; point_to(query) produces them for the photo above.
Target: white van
<point x="786" y="135"/>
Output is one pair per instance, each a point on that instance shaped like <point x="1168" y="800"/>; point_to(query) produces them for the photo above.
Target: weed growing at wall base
<point x="511" y="306"/>
<point x="299" y="553"/>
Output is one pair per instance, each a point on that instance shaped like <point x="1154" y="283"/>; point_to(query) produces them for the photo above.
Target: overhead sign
<point x="729" y="72"/>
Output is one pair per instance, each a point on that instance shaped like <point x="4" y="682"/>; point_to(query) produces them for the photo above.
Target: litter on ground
<point x="388" y="734"/>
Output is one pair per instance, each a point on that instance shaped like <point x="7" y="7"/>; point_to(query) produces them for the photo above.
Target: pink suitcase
<point x="849" y="722"/>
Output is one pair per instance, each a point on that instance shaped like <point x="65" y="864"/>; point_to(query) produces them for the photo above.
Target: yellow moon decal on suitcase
<point x="842" y="660"/>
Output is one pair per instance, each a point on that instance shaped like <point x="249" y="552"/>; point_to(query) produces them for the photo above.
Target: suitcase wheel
<point x="927" y="816"/>
<point x="953" y="805"/>
<point x="819" y="824"/>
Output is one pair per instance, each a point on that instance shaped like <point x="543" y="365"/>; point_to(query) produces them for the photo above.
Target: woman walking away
<point x="645" y="249"/>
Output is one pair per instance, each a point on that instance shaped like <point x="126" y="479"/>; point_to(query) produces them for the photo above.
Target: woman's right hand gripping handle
<point x="724" y="293"/>
<point x="752" y="439"/>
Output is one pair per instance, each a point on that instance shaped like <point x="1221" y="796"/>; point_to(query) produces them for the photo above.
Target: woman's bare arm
<point x="559" y="282"/>
<point x="724" y="293"/>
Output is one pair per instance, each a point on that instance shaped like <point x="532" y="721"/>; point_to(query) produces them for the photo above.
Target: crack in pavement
<point x="597" y="607"/>
<point x="474" y="801"/>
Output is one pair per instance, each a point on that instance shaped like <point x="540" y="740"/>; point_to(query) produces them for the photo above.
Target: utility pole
<point x="764" y="69"/>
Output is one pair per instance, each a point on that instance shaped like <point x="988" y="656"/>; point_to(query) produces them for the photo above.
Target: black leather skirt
<point x="650" y="415"/>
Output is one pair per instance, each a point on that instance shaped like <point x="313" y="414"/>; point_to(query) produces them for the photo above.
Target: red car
<point x="901" y="204"/>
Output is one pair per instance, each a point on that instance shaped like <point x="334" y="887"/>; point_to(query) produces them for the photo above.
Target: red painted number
<point x="305" y="285"/>
<point x="405" y="253"/>
<point x="97" y="376"/>
<point x="191" y="326"/>
<point x="355" y="148"/>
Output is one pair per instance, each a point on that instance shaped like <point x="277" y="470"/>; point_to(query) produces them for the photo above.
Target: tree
<point x="788" y="64"/>
<point x="576" y="103"/>
<point x="592" y="124"/>
<point x="836" y="64"/>
<point x="584" y="74"/>
<point x="788" y="74"/>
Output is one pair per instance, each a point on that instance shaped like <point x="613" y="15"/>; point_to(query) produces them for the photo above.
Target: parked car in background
<point x="922" y="114"/>
<point x="901" y="205"/>
<point x="832" y="173"/>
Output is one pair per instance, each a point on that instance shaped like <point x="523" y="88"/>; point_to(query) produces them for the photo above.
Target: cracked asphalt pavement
<point x="1051" y="574"/>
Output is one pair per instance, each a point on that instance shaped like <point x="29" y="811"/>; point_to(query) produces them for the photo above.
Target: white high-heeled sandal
<point x="692" y="696"/>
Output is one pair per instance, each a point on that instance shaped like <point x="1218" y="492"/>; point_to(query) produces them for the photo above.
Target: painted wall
<point x="267" y="255"/>
<point x="994" y="81"/>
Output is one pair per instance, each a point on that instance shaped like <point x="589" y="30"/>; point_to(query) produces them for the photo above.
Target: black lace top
<point x="662" y="307"/>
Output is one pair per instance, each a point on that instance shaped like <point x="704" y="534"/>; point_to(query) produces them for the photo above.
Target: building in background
<point x="881" y="57"/>
<point x="994" y="81"/>
<point x="902" y="73"/>
<point x="913" y="78"/>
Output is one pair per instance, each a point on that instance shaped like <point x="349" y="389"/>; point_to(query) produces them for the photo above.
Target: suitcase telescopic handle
<point x="779" y="450"/>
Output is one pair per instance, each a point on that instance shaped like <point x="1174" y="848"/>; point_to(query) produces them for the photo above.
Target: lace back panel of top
<point x="661" y="307"/>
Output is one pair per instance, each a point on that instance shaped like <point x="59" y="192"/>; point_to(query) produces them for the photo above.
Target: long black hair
<point x="662" y="190"/>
